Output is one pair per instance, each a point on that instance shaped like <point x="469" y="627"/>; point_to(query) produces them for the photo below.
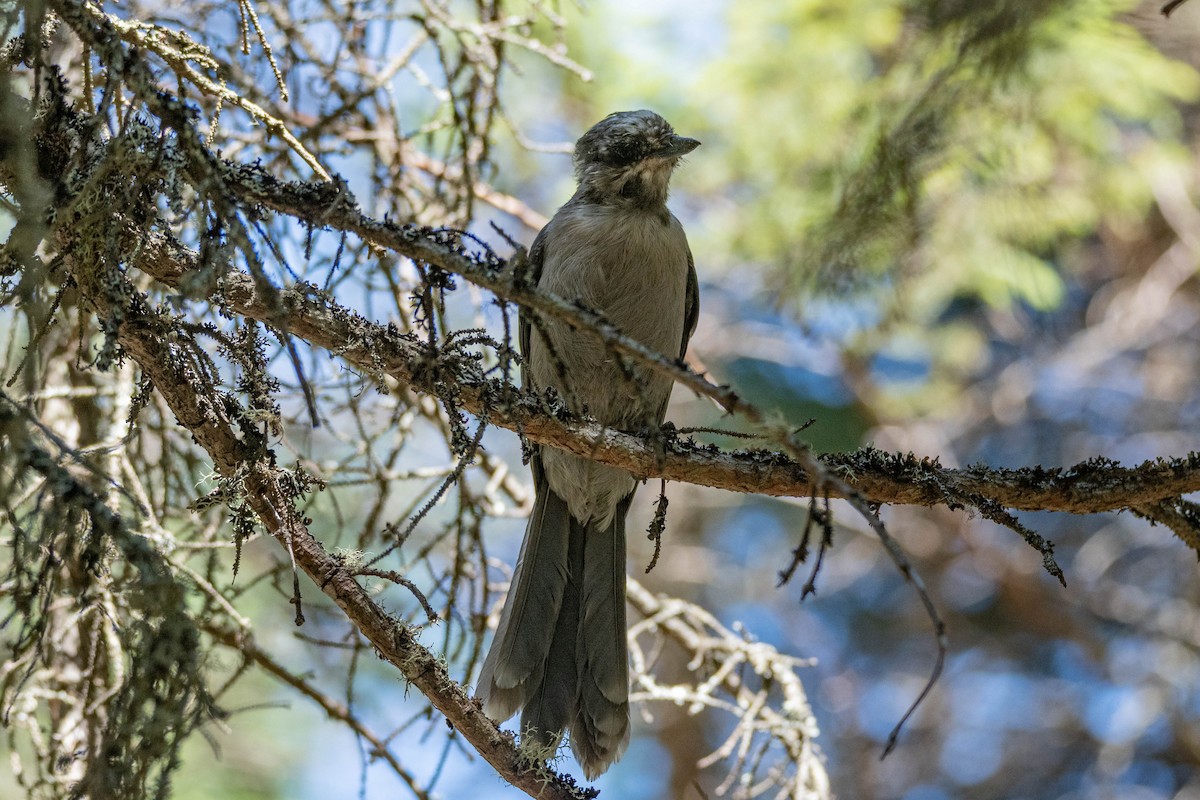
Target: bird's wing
<point x="533" y="276"/>
<point x="691" y="305"/>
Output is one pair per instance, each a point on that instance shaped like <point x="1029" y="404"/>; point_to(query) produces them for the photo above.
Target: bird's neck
<point x="631" y="191"/>
<point x="640" y="186"/>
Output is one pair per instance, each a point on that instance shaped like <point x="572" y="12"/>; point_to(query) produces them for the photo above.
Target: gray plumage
<point x="560" y="653"/>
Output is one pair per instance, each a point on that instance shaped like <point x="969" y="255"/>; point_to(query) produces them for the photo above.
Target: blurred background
<point x="963" y="230"/>
<point x="967" y="231"/>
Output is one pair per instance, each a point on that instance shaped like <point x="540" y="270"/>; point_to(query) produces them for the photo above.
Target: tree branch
<point x="1089" y="487"/>
<point x="269" y="492"/>
<point x="891" y="478"/>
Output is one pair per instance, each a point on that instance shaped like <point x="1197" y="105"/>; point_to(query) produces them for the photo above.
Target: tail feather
<point x="600" y="731"/>
<point x="560" y="651"/>
<point x="552" y="706"/>
<point x="514" y="666"/>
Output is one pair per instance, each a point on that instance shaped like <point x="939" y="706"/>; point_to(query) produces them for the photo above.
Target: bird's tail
<point x="600" y="729"/>
<point x="515" y="666"/>
<point x="560" y="652"/>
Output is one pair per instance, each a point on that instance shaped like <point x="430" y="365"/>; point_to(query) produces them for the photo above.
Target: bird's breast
<point x="632" y="267"/>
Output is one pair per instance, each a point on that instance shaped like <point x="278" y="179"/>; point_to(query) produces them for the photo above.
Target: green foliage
<point x="926" y="153"/>
<point x="958" y="147"/>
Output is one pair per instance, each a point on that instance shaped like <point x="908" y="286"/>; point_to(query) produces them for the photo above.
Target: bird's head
<point x="627" y="158"/>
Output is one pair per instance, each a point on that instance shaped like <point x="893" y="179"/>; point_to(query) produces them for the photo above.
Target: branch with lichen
<point x="771" y="750"/>
<point x="272" y="496"/>
<point x="236" y="198"/>
<point x="877" y="477"/>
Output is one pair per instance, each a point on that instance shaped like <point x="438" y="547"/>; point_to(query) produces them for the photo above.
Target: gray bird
<point x="560" y="652"/>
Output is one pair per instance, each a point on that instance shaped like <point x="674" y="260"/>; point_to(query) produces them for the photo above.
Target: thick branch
<point x="203" y="414"/>
<point x="881" y="477"/>
<point x="244" y="643"/>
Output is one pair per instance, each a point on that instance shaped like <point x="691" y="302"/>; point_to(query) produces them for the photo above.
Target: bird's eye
<point x="625" y="152"/>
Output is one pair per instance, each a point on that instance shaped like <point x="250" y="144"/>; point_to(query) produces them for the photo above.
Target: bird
<point x="559" y="654"/>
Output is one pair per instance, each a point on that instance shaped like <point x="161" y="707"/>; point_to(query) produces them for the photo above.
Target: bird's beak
<point x="678" y="146"/>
